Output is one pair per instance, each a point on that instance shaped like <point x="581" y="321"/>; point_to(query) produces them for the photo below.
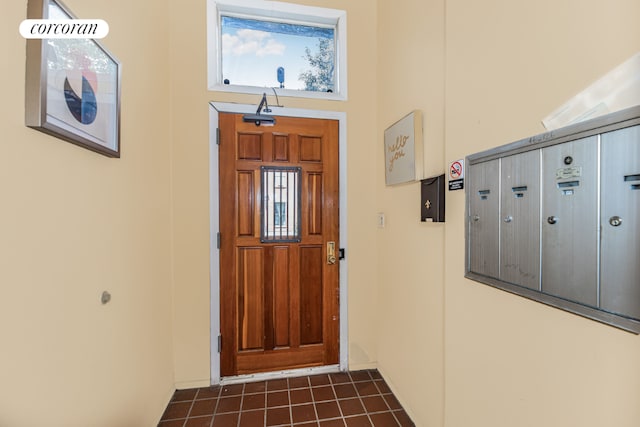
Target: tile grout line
<point x="338" y="403"/>
<point x="240" y="409"/>
<point x="184" y="423"/>
<point x="290" y="405"/>
<point x="215" y="408"/>
<point x="381" y="379"/>
<point x="366" y="411"/>
<point x="193" y="402"/>
<point x="313" y="399"/>
<point x="266" y="405"/>
<point x="382" y="395"/>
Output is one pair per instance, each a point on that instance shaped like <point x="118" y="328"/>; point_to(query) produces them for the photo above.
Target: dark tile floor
<point x="353" y="399"/>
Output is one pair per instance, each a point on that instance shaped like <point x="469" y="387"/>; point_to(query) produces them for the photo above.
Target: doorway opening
<point x="220" y="373"/>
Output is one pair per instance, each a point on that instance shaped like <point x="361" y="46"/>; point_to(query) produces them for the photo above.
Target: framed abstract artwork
<point x="72" y="86"/>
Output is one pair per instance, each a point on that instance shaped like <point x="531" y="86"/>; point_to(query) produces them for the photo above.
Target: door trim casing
<point x="214" y="253"/>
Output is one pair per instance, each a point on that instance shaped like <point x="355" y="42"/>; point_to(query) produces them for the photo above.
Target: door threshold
<point x="264" y="376"/>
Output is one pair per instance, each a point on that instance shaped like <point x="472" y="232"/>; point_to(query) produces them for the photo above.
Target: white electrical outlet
<point x="381" y="219"/>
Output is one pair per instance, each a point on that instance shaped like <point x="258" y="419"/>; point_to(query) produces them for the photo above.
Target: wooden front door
<point x="279" y="282"/>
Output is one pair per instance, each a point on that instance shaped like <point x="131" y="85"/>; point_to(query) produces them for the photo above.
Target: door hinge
<point x="217" y="136"/>
<point x="218" y="240"/>
<point x="219" y="343"/>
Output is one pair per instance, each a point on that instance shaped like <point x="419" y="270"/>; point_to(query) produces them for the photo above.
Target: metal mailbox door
<point x="484" y="211"/>
<point x="520" y="220"/>
<point x="570" y="220"/>
<point x="620" y="224"/>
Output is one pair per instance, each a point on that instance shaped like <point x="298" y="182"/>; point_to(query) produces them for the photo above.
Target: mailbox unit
<point x="555" y="218"/>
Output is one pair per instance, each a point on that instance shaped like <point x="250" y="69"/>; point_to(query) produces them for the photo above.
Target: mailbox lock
<point x="476" y="218"/>
<point x="568" y="160"/>
<point x="508" y="218"/>
<point x="615" y="221"/>
<point x="552" y="220"/>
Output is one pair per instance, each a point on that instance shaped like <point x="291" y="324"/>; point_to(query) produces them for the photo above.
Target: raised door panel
<point x="250" y="146"/>
<point x="281" y="147"/>
<point x="311" y="292"/>
<point x="310" y="149"/>
<point x="313" y="207"/>
<point x="281" y="296"/>
<point x="246" y="203"/>
<point x="251" y="290"/>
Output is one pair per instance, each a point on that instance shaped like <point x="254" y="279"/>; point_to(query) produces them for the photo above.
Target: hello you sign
<point x="403" y="150"/>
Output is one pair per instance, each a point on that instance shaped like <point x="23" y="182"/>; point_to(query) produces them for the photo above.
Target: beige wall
<point x="190" y="171"/>
<point x="410" y="253"/>
<point x="74" y="223"/>
<point x="510" y="361"/>
<point x="489" y="358"/>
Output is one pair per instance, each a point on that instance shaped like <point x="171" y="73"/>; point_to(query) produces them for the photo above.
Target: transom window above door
<point x="264" y="46"/>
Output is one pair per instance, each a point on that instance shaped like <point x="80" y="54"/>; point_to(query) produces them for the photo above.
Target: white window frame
<point x="281" y="12"/>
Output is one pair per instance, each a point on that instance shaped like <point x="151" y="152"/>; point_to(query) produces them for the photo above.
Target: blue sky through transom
<point x="252" y="51"/>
